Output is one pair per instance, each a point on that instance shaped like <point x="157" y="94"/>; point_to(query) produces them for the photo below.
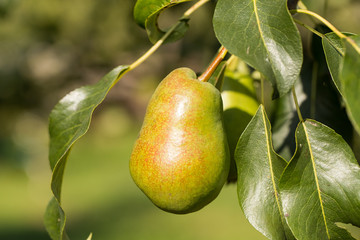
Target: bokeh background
<point x="50" y="47"/>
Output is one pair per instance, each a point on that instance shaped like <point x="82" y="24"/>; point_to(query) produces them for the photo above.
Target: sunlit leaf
<point x="350" y="83"/>
<point x="321" y="184"/>
<point x="146" y="13"/>
<point x="69" y="120"/>
<point x="259" y="170"/>
<point x="263" y="34"/>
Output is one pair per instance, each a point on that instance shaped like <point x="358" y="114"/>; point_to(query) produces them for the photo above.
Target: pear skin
<point x="181" y="157"/>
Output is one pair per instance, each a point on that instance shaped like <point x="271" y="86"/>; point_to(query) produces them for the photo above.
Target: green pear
<point x="240" y="105"/>
<point x="181" y="157"/>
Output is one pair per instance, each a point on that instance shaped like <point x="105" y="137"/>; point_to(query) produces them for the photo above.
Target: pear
<point x="181" y="157"/>
<point x="240" y="105"/>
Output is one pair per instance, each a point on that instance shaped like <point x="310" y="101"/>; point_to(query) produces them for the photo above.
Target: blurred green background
<point x="50" y="47"/>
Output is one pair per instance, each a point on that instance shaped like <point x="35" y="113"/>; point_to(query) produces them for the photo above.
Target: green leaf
<point x="263" y="34"/>
<point x="259" y="170"/>
<point x="321" y="184"/>
<point x="54" y="219"/>
<point x="318" y="99"/>
<point x="146" y="14"/>
<point x="334" y="49"/>
<point x="350" y="83"/>
<point x="69" y="120"/>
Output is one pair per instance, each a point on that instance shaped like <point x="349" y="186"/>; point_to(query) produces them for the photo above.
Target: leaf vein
<point x="316" y="179"/>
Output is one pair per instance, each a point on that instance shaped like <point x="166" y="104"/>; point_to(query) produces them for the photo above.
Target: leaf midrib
<point x="261" y="34"/>
<point x="271" y="167"/>
<point x="316" y="179"/>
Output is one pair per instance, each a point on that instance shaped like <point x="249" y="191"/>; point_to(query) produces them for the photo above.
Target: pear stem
<point x="213" y="65"/>
<point x="186" y="15"/>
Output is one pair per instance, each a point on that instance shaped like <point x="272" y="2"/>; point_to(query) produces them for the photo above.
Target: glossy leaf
<point x="334" y="49"/>
<point x="263" y="34"/>
<point x="146" y="13"/>
<point x="259" y="170"/>
<point x="321" y="184"/>
<point x="69" y="120"/>
<point x="350" y="83"/>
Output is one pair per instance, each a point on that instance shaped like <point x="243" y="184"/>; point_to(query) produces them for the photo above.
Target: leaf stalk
<point x="319" y="34"/>
<point x="297" y="104"/>
<point x="186" y="15"/>
<point x="329" y="25"/>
